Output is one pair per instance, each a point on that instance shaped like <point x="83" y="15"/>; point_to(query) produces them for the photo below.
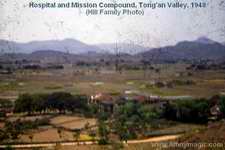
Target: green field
<point x="205" y="83"/>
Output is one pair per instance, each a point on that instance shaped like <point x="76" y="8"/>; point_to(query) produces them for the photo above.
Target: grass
<point x="11" y="85"/>
<point x="208" y="83"/>
<point x="84" y="137"/>
<point x="53" y="87"/>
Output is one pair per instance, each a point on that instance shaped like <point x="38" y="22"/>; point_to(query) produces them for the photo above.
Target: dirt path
<point x="48" y="144"/>
<point x="153" y="139"/>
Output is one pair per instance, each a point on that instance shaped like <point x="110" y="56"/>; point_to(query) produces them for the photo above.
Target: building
<point x="105" y="102"/>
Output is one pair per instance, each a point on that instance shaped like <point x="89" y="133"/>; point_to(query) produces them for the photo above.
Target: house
<point x="105" y="102"/>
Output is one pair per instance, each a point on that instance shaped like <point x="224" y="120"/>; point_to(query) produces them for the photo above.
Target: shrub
<point x="102" y="142"/>
<point x="2" y="114"/>
<point x="222" y="105"/>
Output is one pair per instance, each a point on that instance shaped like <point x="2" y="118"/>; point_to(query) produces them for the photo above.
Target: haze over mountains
<point x="67" y="46"/>
<point x="201" y="48"/>
<point x="123" y="47"/>
<point x="223" y="43"/>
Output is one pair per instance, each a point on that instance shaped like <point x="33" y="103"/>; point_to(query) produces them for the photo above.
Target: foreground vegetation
<point x="129" y="120"/>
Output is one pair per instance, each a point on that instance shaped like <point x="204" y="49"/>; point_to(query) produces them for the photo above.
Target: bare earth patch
<point x="72" y="122"/>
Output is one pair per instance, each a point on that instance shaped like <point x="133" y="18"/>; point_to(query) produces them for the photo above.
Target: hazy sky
<point x="157" y="27"/>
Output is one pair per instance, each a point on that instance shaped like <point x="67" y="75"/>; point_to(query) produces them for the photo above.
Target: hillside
<point x="207" y="135"/>
<point x="187" y="50"/>
<point x="68" y="45"/>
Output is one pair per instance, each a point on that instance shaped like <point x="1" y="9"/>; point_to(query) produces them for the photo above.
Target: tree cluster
<point x="54" y="102"/>
<point x="13" y="129"/>
<point x="222" y="105"/>
<point x="133" y="118"/>
<point x="4" y="106"/>
<point x="193" y="111"/>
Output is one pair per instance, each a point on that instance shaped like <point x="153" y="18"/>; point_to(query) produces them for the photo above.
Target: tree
<point x="190" y="110"/>
<point x="3" y="135"/>
<point x="123" y="124"/>
<point x="222" y="105"/>
<point x="103" y="132"/>
<point x="13" y="129"/>
<point x="76" y="135"/>
<point x="39" y="102"/>
<point x="9" y="147"/>
<point x="92" y="110"/>
<point x="132" y="118"/>
<point x="87" y="126"/>
<point x="57" y="102"/>
<point x="31" y="137"/>
<point x="59" y="131"/>
<point x="147" y="114"/>
<point x="6" y="103"/>
<point x="123" y="131"/>
<point x="24" y="103"/>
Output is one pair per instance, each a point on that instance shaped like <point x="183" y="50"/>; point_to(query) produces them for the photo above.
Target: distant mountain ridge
<point x="202" y="48"/>
<point x="74" y="50"/>
<point x="123" y="47"/>
<point x="68" y="45"/>
<point x="223" y="43"/>
<point x="205" y="40"/>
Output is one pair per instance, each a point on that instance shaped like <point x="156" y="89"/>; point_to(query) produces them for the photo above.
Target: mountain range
<point x="201" y="48"/>
<point x="67" y="46"/>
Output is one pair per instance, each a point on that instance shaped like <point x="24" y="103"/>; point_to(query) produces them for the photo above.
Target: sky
<point x="157" y="27"/>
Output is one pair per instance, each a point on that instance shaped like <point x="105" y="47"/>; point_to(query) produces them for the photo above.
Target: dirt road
<point x="153" y="139"/>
